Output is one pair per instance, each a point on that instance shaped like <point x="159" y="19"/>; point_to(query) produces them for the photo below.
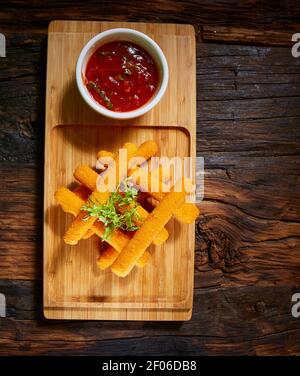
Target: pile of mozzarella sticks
<point x="124" y="250"/>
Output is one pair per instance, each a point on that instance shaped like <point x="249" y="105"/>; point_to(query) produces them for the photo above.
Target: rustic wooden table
<point x="248" y="129"/>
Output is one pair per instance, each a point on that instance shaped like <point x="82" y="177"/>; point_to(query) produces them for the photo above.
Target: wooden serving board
<point x="74" y="288"/>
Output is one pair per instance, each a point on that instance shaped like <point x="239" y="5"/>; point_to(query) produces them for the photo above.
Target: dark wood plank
<point x="246" y="36"/>
<point x="22" y="93"/>
<point x="18" y="15"/>
<point x="21" y="216"/>
<point x="247" y="320"/>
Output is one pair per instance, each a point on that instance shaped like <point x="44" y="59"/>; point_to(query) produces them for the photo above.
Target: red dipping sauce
<point x="121" y="76"/>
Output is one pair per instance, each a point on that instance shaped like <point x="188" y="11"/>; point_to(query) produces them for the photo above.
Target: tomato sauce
<point x="121" y="76"/>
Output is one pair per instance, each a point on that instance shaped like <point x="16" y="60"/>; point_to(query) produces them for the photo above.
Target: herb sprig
<point x="111" y="214"/>
<point x="92" y="85"/>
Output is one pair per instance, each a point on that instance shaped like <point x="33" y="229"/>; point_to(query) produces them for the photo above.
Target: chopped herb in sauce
<point x="122" y="77"/>
<point x="94" y="86"/>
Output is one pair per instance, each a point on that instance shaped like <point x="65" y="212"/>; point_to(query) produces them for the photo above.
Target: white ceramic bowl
<point x="129" y="35"/>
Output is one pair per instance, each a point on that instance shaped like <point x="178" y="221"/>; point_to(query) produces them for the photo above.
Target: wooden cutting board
<point x="74" y="288"/>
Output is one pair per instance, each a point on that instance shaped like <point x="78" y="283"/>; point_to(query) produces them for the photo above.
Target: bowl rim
<point x="153" y="100"/>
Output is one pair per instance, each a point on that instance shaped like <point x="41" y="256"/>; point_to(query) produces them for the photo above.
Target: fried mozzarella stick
<point x="101" y="161"/>
<point x="109" y="255"/>
<point x="105" y="153"/>
<point x="83" y="192"/>
<point x="146" y="150"/>
<point x="186" y="213"/>
<point x="88" y="234"/>
<point x="142" y="214"/>
<point x="142" y="153"/>
<point x="132" y="149"/>
<point x="71" y="203"/>
<point x="151" y="227"/>
<point x="88" y="177"/>
<point x="82" y="223"/>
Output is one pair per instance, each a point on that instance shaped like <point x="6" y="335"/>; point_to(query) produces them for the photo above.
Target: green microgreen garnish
<point x="94" y="86"/>
<point x="108" y="213"/>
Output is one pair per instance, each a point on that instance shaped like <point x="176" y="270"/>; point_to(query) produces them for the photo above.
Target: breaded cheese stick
<point x="109" y="255"/>
<point x="186" y="213"/>
<point x="88" y="234"/>
<point x="82" y="223"/>
<point x="142" y="214"/>
<point x="83" y="192"/>
<point x="151" y="227"/>
<point x="146" y="150"/>
<point x="105" y="153"/>
<point x="72" y="204"/>
<point x="102" y="157"/>
<point x="87" y="177"/>
<point x="131" y="152"/>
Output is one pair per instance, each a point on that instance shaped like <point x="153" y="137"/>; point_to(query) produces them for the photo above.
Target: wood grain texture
<point x="74" y="288"/>
<point x="247" y="130"/>
<point x="242" y="321"/>
<point x="17" y="15"/>
<point x="227" y="34"/>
